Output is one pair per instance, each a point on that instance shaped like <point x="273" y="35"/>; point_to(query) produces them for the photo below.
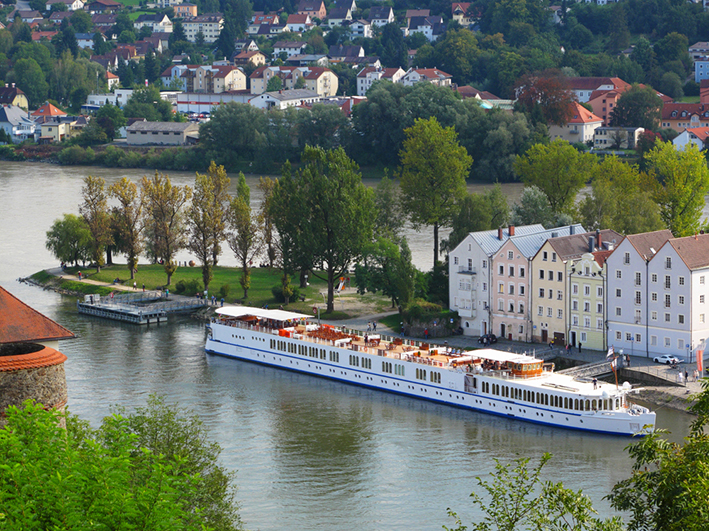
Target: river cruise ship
<point x="516" y="386"/>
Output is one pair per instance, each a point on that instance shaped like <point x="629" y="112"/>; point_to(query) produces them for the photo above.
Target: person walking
<point x="143" y="287"/>
<point x="579" y="347"/>
<point x="135" y="285"/>
<point x="374" y="326"/>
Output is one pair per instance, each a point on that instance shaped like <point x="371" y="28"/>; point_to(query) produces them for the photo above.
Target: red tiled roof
<point x="592" y="83"/>
<point x="581" y="115"/>
<point x="702" y="133"/>
<point x="648" y="243"/>
<point x="601" y="256"/>
<point x="48" y="110"/>
<point x="20" y="323"/>
<point x="45" y="357"/>
<point x="693" y="250"/>
<point x="689" y="108"/>
<point x="432" y="73"/>
<point x="297" y="19"/>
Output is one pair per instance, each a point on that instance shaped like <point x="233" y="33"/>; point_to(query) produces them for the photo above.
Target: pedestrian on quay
<point x="135" y="285"/>
<point x="79" y="276"/>
<point x="369" y="326"/>
<point x="222" y="302"/>
<point x="579" y="347"/>
<point x="402" y="329"/>
<point x="551" y="345"/>
<point x="374" y="325"/>
<point x="143" y="287"/>
<point x="686" y="375"/>
<point x="425" y="333"/>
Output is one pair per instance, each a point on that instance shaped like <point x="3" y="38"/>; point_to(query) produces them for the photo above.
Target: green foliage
<point x="147" y="103"/>
<point x="280" y="296"/>
<point x="518" y="499"/>
<point x="433" y="171"/>
<point x="224" y="291"/>
<point x="9" y="153"/>
<point x="107" y="478"/>
<point x="69" y="239"/>
<point x="30" y="79"/>
<point x="274" y="84"/>
<point x="558" y="170"/>
<point x="533" y="207"/>
<point x="76" y="155"/>
<point x="477" y="212"/>
<point x="111" y="118"/>
<point x="638" y="107"/>
<point x="681" y="182"/>
<point x="387" y="267"/>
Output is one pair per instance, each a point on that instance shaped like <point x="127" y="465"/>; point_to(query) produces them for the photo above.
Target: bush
<point x="180" y="286"/>
<point x="76" y="155"/>
<point x="9" y="153"/>
<point x="193" y="286"/>
<point x="277" y="292"/>
<point x="224" y="291"/>
<point x="420" y="309"/>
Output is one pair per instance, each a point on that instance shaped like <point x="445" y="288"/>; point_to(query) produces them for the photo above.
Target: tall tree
<point x="69" y="239"/>
<point x="165" y="218"/>
<point x="394" y="49"/>
<point x="244" y="237"/>
<point x="386" y="266"/>
<point x="390" y="215"/>
<point x="128" y="218"/>
<point x="94" y="210"/>
<point x="682" y="181"/>
<point x="31" y="80"/>
<point x="206" y="218"/>
<point x="433" y="171"/>
<point x="547" y="94"/>
<point x="333" y="212"/>
<point x="558" y="170"/>
<point x="638" y="107"/>
<point x="477" y="212"/>
<point x="267" y="228"/>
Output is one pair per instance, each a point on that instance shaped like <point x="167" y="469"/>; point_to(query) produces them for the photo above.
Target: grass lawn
<point x="262" y="280"/>
<point x="689" y="99"/>
<point x="129" y="2"/>
<point x="135" y="14"/>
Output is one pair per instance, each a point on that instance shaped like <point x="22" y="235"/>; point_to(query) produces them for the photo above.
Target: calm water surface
<point x="309" y="453"/>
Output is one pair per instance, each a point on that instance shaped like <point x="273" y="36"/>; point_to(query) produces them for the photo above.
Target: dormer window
<point x="674" y="113"/>
<point x="684" y="113"/>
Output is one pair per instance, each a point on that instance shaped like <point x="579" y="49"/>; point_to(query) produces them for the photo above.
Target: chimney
<point x="598" y="239"/>
<point x="499" y="233"/>
<point x="13" y="85"/>
<point x="512" y="230"/>
<point x="591" y="244"/>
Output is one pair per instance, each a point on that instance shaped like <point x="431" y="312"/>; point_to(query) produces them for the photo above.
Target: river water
<point x="309" y="453"/>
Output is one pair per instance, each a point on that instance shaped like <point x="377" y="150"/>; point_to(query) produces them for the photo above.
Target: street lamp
<point x="689" y="352"/>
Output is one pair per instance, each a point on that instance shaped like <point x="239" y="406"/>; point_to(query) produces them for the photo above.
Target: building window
<point x="541" y="293"/>
<point x="551" y="293"/>
<point x="553" y="257"/>
<point x="681" y="299"/>
<point x="583" y="337"/>
<point x="667" y="318"/>
<point x="559" y="295"/>
<point x="502" y="270"/>
<point x="668" y="262"/>
<point x="599" y="324"/>
<point x="586" y="306"/>
<point x="501" y="305"/>
<point x="638" y="338"/>
<point x="701" y="317"/>
<point x="618" y="293"/>
<point x="521" y="272"/>
<point x="628" y="336"/>
<point x="599" y="291"/>
<point x="586" y="322"/>
<point x="521" y="329"/>
<point x="512" y="307"/>
<point x="510" y="255"/>
<point x="560" y="276"/>
<point x="680" y="280"/>
<point x="638" y="298"/>
<point x="500" y="288"/>
<point x="512" y="271"/>
<point x="701" y="280"/>
<point x="545" y="255"/>
<point x="484" y="286"/>
<point x="653" y="297"/>
<point x="618" y="335"/>
<point x="701" y="299"/>
<point x="455" y="260"/>
<point x="541" y="274"/>
<point x="521" y="307"/>
<point x="575" y="305"/>
<point x="599" y="307"/>
<point x="540" y="310"/>
<point x="654" y="277"/>
<point x="575" y="289"/>
<point x="484" y="264"/>
<point x="618" y="274"/>
<point x="511" y="289"/>
<point x="587" y="290"/>
<point x="668" y="301"/>
<point x="654" y="316"/>
<point x="521" y="289"/>
<point x="549" y="310"/>
<point x="667" y="342"/>
<point x="668" y="283"/>
<point x="626" y="258"/>
<point x="638" y="279"/>
<point x="618" y="311"/>
<point x="653" y="340"/>
<point x="575" y="320"/>
<point x="638" y="316"/>
<point x="550" y="276"/>
<point x="680" y="319"/>
<point x="560" y="314"/>
<point x="680" y="344"/>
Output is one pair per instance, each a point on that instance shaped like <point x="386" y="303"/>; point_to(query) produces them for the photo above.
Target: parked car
<point x="667" y="359"/>
<point x="491" y="338"/>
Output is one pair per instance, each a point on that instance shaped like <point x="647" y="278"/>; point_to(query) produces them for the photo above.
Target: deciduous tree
<point x="637" y="107"/>
<point x="558" y="170"/>
<point x="477" y="212"/>
<point x="265" y="219"/>
<point x="69" y="239"/>
<point x="94" y="210"/>
<point x="206" y="218"/>
<point x="244" y="237"/>
<point x="433" y="171"/>
<point x="386" y="266"/>
<point x="128" y="218"/>
<point x="681" y="182"/>
<point x="547" y="93"/>
<point x="165" y="218"/>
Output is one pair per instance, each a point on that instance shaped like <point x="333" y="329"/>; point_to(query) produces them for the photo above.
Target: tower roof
<point x="19" y="323"/>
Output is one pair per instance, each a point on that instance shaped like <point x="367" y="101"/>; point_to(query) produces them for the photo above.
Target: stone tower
<point x="30" y="364"/>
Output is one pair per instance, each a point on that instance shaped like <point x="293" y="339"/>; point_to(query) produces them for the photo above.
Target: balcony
<point x="464" y="270"/>
<point x="466" y="312"/>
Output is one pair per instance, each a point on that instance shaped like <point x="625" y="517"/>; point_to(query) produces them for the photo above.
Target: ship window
<point x="546" y="400"/>
<point x="588" y="405"/>
<point x="593" y="405"/>
<point x="566" y="403"/>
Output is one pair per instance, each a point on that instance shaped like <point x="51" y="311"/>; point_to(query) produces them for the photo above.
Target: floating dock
<point x="142" y="308"/>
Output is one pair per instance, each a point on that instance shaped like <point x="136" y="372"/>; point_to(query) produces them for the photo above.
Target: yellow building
<point x="11" y="95"/>
<point x="568" y="287"/>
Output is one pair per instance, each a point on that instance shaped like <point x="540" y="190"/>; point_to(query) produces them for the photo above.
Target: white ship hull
<point x="514" y="398"/>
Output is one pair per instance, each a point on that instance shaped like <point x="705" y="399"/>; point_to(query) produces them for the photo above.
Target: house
<point x="319" y="80"/>
<point x="209" y="25"/>
<point x="509" y="312"/>
<point x="469" y="267"/>
<point x="681" y="116"/>
<point x="172" y="76"/>
<point x="37" y="36"/>
<point x="616" y="137"/>
<point x="657" y="294"/>
<point x="103" y="6"/>
<point x="112" y="80"/>
<point x="15" y="122"/>
<point x="460" y="13"/>
<point x="299" y="23"/>
<point x="245" y="57"/>
<point x="71" y="5"/>
<point x="185" y="10"/>
<point x="156" y="22"/>
<point x="557" y="13"/>
<point x="699" y="50"/>
<point x="429" y="27"/>
<point x="260" y="77"/>
<point x="467" y="91"/>
<point x="361" y="28"/>
<point x="57" y="16"/>
<point x="699" y="136"/>
<point x="579" y="128"/>
<point x="118" y="97"/>
<point x="11" y="95"/>
<point x="567" y="289"/>
<point x="370" y="74"/>
<point x="429" y="75"/>
<point x="57" y="128"/>
<point x="339" y="52"/>
<point x="313" y="59"/>
<point x="411" y="13"/>
<point x="246" y="45"/>
<point x="192" y="102"/>
<point x="104" y="19"/>
<point x="48" y="110"/>
<point x="583" y="87"/>
<point x="381" y="16"/>
<point x="701" y="69"/>
<point x="214" y="79"/>
<point x="312" y="8"/>
<point x="270" y="19"/>
<point x="339" y="16"/>
<point x="284" y="99"/>
<point x="322" y="81"/>
<point x="289" y="48"/>
<point x="161" y="133"/>
<point x="604" y="101"/>
<point x="163" y="4"/>
<point x="27" y="16"/>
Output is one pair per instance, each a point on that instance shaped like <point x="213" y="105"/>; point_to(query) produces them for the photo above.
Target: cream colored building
<point x="161" y="133"/>
<point x="568" y="289"/>
<point x="579" y="128"/>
